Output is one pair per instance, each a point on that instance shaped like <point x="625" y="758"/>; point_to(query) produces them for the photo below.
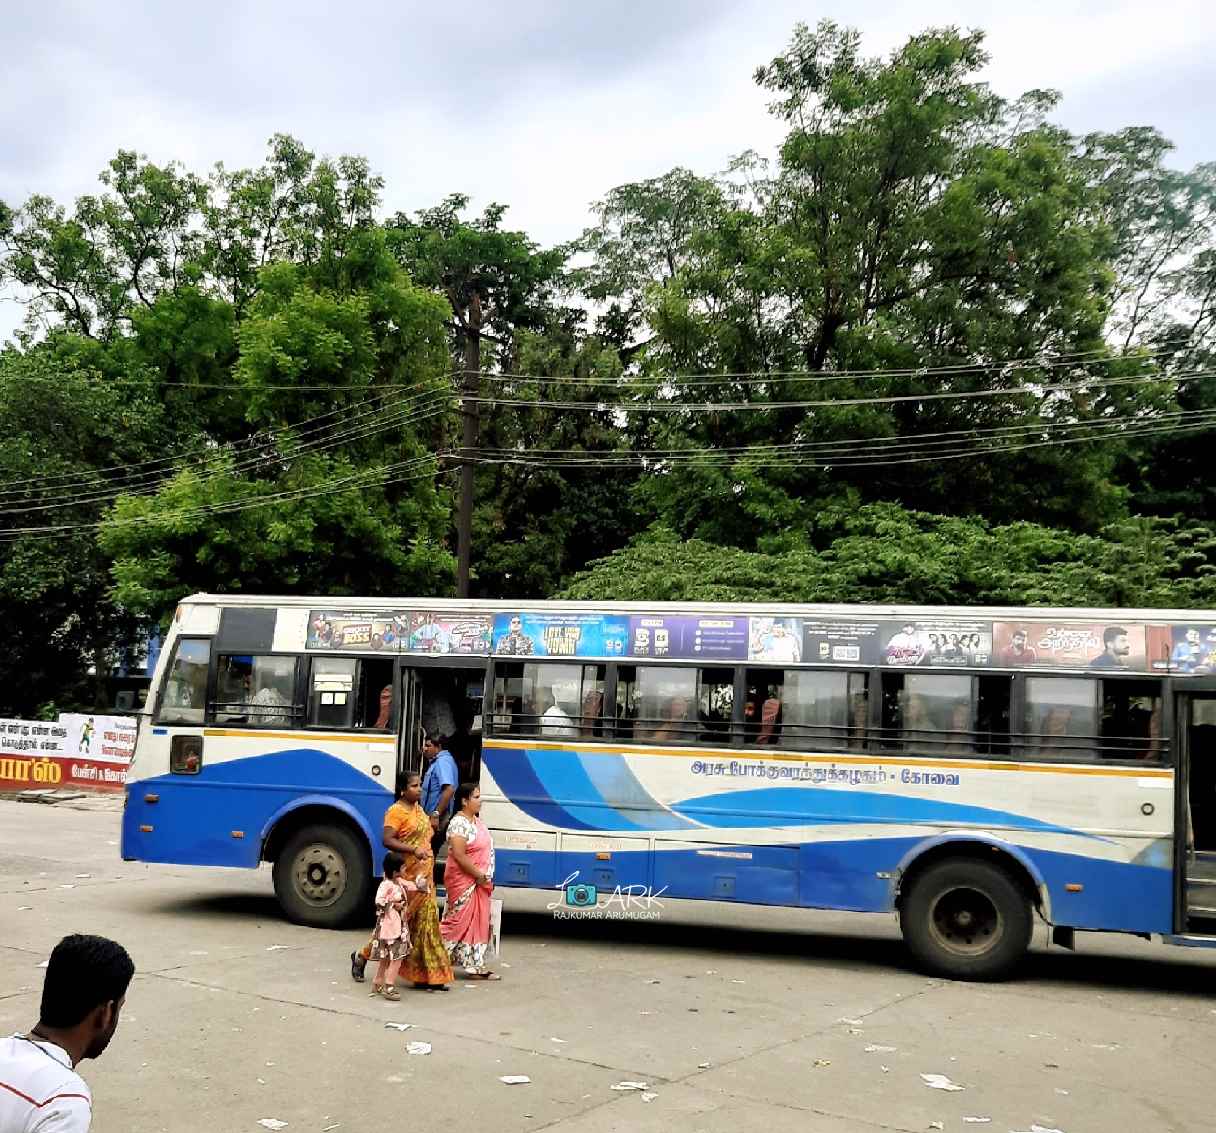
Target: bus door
<point x="442" y="696"/>
<point x="1196" y="838"/>
<point x="409" y="751"/>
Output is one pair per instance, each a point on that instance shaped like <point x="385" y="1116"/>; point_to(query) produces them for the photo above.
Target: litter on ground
<point x="514" y="1079"/>
<point x="417" y="1048"/>
<point x="939" y="1082"/>
<point x="397" y="1026"/>
<point x="272" y="1123"/>
<point x="622" y="1086"/>
<point x="874" y="1048"/>
<point x="648" y="1096"/>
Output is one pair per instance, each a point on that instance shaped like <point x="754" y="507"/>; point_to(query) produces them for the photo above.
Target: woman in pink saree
<point x="468" y="878"/>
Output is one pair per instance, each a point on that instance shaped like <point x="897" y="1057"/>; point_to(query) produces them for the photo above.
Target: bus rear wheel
<point x="967" y="920"/>
<point x="322" y="876"/>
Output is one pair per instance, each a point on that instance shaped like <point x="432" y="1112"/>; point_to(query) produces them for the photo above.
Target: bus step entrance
<point x="1201" y="892"/>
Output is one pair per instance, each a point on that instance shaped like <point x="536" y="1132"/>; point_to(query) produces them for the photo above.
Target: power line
<point x="885" y="443"/>
<point x="757" y="406"/>
<point x="1063" y="360"/>
<point x="206" y="450"/>
<point x="151" y="482"/>
<point x="367" y="478"/>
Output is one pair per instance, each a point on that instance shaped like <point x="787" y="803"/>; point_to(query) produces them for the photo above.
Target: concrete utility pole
<point x="470" y="386"/>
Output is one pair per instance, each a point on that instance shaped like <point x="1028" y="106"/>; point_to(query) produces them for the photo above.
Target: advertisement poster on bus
<point x="328" y="629"/>
<point x="939" y="642"/>
<point x="1070" y="645"/>
<point x="775" y="639"/>
<point x="560" y="635"/>
<point x="1192" y="648"/>
<point x="838" y="640"/>
<point x="444" y="634"/>
<point x="689" y="637"/>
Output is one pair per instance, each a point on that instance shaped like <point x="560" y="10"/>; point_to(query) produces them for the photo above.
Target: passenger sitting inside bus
<point x="1057" y="731"/>
<point x="674" y="724"/>
<point x="385" y="708"/>
<point x="555" y="721"/>
<point x="593" y="707"/>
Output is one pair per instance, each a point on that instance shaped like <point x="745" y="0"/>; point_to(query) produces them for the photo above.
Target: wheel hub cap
<point x="319" y="874"/>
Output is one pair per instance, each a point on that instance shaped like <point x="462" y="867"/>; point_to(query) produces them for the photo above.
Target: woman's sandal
<point x="391" y="994"/>
<point x="436" y="987"/>
<point x="484" y="976"/>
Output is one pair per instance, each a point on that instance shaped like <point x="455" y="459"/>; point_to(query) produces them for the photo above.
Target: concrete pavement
<point x="736" y="1018"/>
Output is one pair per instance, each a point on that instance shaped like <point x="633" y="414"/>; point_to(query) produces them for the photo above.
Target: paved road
<point x="736" y="1018"/>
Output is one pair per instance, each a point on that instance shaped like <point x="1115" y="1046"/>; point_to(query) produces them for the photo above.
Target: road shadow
<point x="705" y="943"/>
<point x="221" y="906"/>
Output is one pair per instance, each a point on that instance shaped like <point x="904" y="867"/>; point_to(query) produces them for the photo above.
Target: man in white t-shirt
<point x="82" y="996"/>
<point x="556" y="722"/>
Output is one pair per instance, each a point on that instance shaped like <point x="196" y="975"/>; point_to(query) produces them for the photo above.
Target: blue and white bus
<point x="973" y="771"/>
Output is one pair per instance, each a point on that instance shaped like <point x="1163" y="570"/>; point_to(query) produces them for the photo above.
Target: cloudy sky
<point x="540" y="104"/>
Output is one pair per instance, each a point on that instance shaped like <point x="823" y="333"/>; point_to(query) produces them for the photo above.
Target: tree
<point x="882" y="553"/>
<point x="915" y="223"/>
<point x="496" y="282"/>
<point x="68" y="434"/>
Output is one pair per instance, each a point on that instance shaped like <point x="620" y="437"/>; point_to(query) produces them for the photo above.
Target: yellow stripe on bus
<point x="717" y="754"/>
<point x="323" y="737"/>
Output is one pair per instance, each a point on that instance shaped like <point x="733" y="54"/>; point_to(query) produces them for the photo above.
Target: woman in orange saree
<point x="407" y="829"/>
<point x="468" y="878"/>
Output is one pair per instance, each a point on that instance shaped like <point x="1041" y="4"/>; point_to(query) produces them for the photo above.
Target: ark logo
<point x="580" y="900"/>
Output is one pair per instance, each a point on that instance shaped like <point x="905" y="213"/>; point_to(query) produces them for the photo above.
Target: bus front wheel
<point x="966" y="919"/>
<point x="322" y="876"/>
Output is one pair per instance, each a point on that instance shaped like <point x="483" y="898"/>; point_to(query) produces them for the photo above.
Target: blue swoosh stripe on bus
<point x="814" y="806"/>
<point x="616" y="784"/>
<point x="517" y="780"/>
<point x="563" y="777"/>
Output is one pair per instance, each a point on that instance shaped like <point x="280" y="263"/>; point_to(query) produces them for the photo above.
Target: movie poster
<point x="448" y="635"/>
<point x="560" y="635"/>
<point x="1111" y="646"/>
<point x="940" y="642"/>
<point x="329" y="629"/>
<point x="1192" y="649"/>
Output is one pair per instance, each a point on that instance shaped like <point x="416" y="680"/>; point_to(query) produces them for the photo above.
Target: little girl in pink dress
<point x="391" y="943"/>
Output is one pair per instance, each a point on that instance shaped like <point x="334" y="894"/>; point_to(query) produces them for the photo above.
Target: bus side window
<point x="661" y="703"/>
<point x="929" y="712"/>
<point x="255" y="690"/>
<point x="331" y="699"/>
<point x="805" y="709"/>
<point x="553" y="701"/>
<point x="185" y="696"/>
<point x="1131" y="721"/>
<point x="351" y="693"/>
<point x="1061" y="717"/>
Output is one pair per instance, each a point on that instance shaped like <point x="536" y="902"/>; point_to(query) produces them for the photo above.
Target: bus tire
<point x="966" y="920"/>
<point x="322" y="876"/>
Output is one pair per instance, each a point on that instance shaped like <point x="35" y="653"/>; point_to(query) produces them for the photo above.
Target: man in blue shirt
<point x="438" y="786"/>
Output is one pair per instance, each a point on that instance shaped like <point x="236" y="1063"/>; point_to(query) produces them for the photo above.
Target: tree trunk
<point x="469" y="412"/>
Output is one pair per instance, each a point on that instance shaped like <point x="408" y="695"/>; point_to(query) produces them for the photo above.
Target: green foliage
<point x="65" y="432"/>
<point x="881" y="553"/>
<point x="290" y="362"/>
